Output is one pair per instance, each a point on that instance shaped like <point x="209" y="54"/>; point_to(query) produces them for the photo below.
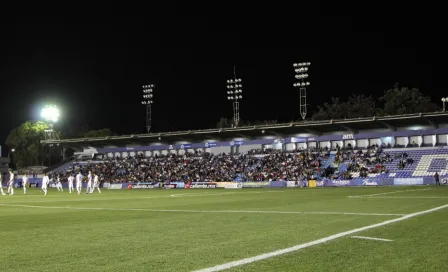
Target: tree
<point x="99" y="133"/>
<point x="25" y="140"/>
<point x="334" y="110"/>
<point x="223" y="123"/>
<point x="402" y="100"/>
<point x="360" y="105"/>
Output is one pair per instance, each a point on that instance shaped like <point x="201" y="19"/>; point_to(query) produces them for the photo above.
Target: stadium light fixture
<point x="50" y="113"/>
<point x="148" y="100"/>
<point x="301" y="75"/>
<point x="235" y="94"/>
<point x="444" y="99"/>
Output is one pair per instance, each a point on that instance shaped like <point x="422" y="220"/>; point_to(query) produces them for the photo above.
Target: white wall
<point x="402" y="141"/>
<point x="414" y="139"/>
<point x="442" y="138"/>
<point x="429" y="139"/>
<point x="362" y="143"/>
<point x="375" y="141"/>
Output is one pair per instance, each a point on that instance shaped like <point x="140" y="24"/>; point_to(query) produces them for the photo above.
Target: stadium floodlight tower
<point x="148" y="101"/>
<point x="50" y="114"/>
<point x="301" y="70"/>
<point x="444" y="100"/>
<point x="235" y="94"/>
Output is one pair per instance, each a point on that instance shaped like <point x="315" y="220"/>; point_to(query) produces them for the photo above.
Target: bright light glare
<point x="50" y="113"/>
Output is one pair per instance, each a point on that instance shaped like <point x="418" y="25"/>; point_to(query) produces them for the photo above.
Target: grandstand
<point x="421" y="138"/>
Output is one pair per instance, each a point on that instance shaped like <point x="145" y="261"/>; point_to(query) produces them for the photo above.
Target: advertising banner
<point x="223" y="184"/>
<point x="152" y="185"/>
<point x="234" y="185"/>
<point x="105" y="185"/>
<point x="312" y="183"/>
<point x="116" y="186"/>
<point x="371" y="182"/>
<point x="203" y="185"/>
<point x="408" y="181"/>
<point x="258" y="184"/>
<point x="320" y="183"/>
<point x="277" y="184"/>
<point x="291" y="184"/>
<point x="341" y="183"/>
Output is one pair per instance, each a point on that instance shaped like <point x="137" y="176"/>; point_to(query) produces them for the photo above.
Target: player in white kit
<point x="89" y="183"/>
<point x="11" y="183"/>
<point x="1" y="184"/>
<point x="79" y="178"/>
<point x="96" y="184"/>
<point x="70" y="183"/>
<point x="45" y="182"/>
<point x="24" y="183"/>
<point x="59" y="184"/>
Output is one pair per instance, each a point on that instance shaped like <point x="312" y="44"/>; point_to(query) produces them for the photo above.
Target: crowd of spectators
<point x="256" y="165"/>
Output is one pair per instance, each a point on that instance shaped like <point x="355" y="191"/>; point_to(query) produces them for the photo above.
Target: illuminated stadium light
<point x="50" y="113"/>
<point x="148" y="100"/>
<point x="301" y="74"/>
<point x="234" y="94"/>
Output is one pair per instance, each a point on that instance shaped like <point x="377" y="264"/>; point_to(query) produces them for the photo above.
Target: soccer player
<point x="59" y="185"/>
<point x="79" y="178"/>
<point x="11" y="183"/>
<point x="45" y="182"/>
<point x="24" y="183"/>
<point x="89" y="183"/>
<point x="96" y="184"/>
<point x="1" y="184"/>
<point x="70" y="183"/>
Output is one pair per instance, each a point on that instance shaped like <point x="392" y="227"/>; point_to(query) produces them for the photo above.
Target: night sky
<point x="94" y="68"/>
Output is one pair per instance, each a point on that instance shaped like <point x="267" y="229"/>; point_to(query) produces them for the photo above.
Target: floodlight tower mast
<point x="234" y="93"/>
<point x="301" y="70"/>
<point x="51" y="115"/>
<point x="148" y="101"/>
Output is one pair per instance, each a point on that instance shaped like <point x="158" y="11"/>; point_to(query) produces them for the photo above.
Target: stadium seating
<point x="259" y="165"/>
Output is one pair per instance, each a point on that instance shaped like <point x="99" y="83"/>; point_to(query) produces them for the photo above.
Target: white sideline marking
<point x="198" y="211"/>
<point x="372" y="238"/>
<point x="316" y="242"/>
<point x="408" y="197"/>
<point x="394" y="192"/>
<point x="123" y="198"/>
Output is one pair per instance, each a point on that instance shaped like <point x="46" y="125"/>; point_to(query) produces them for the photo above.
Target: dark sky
<point x="93" y="67"/>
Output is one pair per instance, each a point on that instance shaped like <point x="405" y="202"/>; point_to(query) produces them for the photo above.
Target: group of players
<point x="92" y="183"/>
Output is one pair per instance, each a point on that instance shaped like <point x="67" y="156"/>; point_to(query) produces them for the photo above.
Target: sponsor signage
<point x="115" y="186"/>
<point x="277" y="184"/>
<point x="234" y="185"/>
<point x="223" y="184"/>
<point x="259" y="184"/>
<point x="203" y="185"/>
<point x="291" y="184"/>
<point x="106" y="185"/>
<point x="367" y="182"/>
<point x="348" y="137"/>
<point x="408" y="181"/>
<point x="312" y="183"/>
<point x="340" y="183"/>
<point x="320" y="183"/>
<point x="145" y="185"/>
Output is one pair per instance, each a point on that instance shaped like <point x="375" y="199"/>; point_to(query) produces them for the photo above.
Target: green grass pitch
<point x="196" y="229"/>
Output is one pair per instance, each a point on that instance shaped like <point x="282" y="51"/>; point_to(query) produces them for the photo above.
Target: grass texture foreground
<point x="321" y="229"/>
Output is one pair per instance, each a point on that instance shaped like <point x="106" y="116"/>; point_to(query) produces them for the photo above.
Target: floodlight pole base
<point x="50" y="134"/>
<point x="236" y="113"/>
<point x="303" y="109"/>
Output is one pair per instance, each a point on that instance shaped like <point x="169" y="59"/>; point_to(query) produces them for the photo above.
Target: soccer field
<point x="318" y="229"/>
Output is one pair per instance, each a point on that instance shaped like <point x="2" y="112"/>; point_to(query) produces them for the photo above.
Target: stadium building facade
<point x="423" y="137"/>
<point x="416" y="130"/>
